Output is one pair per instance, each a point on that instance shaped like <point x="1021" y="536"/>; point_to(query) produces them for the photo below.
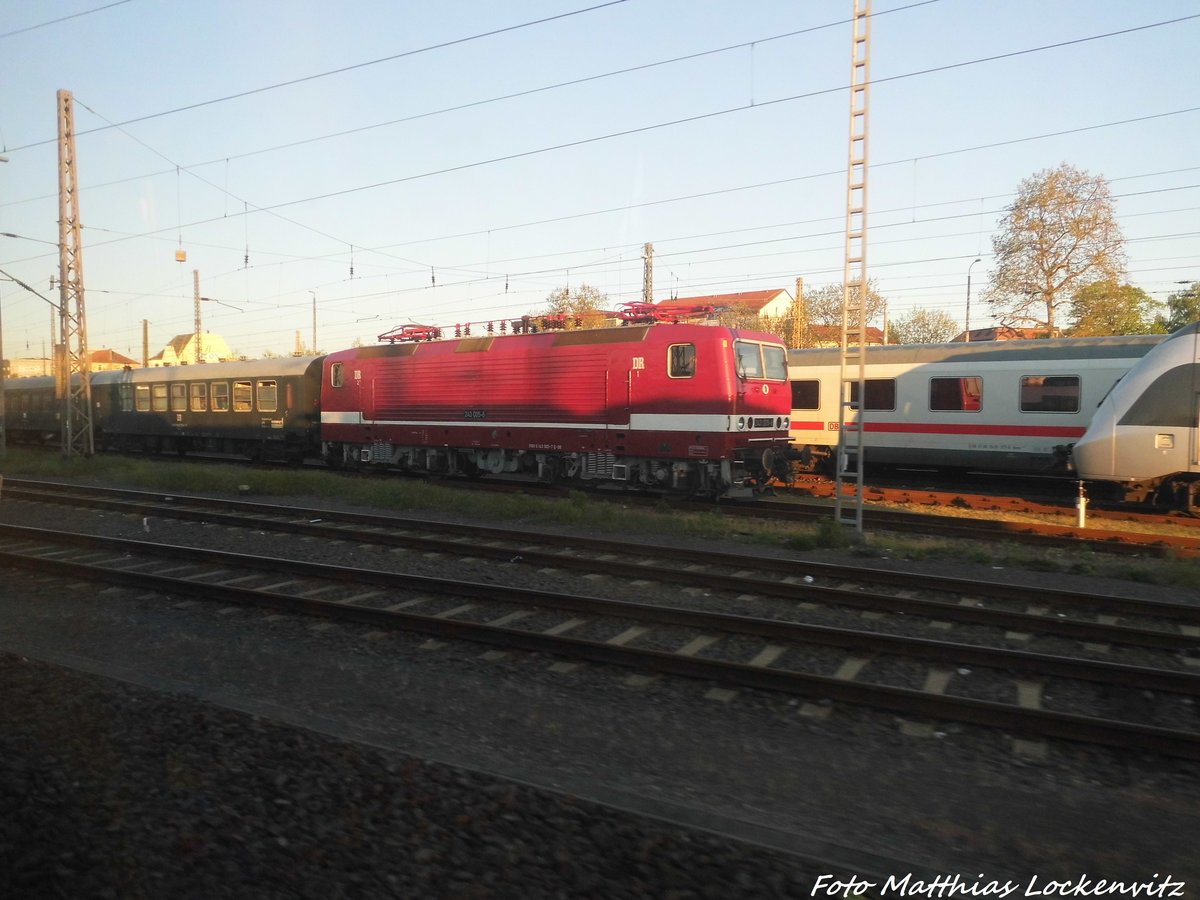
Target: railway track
<point x="1063" y="683"/>
<point x="920" y="514"/>
<point x="1066" y="614"/>
<point x="1048" y="497"/>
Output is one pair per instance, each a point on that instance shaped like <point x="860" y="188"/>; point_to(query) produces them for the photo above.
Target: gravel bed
<point x="957" y="800"/>
<point x="124" y="793"/>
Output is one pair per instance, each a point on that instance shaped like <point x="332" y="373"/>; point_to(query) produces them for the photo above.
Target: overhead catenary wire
<point x="577" y="265"/>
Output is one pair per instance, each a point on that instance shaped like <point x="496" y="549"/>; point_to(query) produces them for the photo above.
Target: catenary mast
<point x="73" y="366"/>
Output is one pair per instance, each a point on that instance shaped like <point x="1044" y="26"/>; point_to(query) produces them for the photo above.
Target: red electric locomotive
<point x="693" y="408"/>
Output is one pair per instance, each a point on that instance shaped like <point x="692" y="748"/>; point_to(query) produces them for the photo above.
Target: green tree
<point x="1183" y="308"/>
<point x="1105" y="307"/>
<point x="1059" y="235"/>
<point x="585" y="303"/>
<point x="921" y="326"/>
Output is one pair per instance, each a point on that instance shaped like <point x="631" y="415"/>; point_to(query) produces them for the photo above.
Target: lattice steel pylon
<point x="73" y="365"/>
<point x="648" y="274"/>
<point x="198" y="352"/>
<point x="853" y="356"/>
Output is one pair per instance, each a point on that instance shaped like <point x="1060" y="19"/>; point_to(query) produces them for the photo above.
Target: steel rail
<point x="1023" y="720"/>
<point x="165" y="502"/>
<point x="500" y="544"/>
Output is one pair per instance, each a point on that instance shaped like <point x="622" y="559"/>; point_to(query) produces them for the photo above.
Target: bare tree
<point x="741" y="315"/>
<point x="585" y="304"/>
<point x="1059" y="235"/>
<point x="920" y="326"/>
<point x="824" y="305"/>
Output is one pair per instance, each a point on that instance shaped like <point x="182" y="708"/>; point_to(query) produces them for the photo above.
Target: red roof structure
<point x="110" y="360"/>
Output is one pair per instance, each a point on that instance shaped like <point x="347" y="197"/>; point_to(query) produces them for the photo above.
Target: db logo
<point x="832" y="426"/>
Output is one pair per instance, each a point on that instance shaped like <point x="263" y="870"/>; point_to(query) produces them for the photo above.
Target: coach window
<point x="199" y="397"/>
<point x="268" y="396"/>
<point x="220" y="396"/>
<point x="963" y="394"/>
<point x="806" y="394"/>
<point x="335" y="375"/>
<point x="141" y="397"/>
<point x="1050" y="393"/>
<point x="243" y="396"/>
<point x="178" y="397"/>
<point x="158" y="397"/>
<point x="682" y="360"/>
<point x="881" y="394"/>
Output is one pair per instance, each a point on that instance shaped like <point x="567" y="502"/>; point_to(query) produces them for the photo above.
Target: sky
<point x="390" y="163"/>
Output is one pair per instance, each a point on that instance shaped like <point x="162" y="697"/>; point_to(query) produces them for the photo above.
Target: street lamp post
<point x="967" y="323"/>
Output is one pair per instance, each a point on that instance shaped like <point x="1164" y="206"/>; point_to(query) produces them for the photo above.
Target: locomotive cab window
<point x="335" y="375"/>
<point x="963" y="394"/>
<point x="681" y="360"/>
<point x="881" y="394"/>
<point x="243" y="396"/>
<point x="199" y="397"/>
<point x="775" y="362"/>
<point x="749" y="359"/>
<point x="1050" y="393"/>
<point x="756" y="360"/>
<point x="268" y="396"/>
<point x="220" y="396"/>
<point x="806" y="394"/>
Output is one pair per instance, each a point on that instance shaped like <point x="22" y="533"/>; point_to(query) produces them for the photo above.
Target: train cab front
<point x="762" y="419"/>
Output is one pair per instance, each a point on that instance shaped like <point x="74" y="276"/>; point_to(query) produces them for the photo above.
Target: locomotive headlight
<point x="741" y="423"/>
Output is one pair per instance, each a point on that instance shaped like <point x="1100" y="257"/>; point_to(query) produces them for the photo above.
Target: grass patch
<point x="580" y="511"/>
<point x="262" y="483"/>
